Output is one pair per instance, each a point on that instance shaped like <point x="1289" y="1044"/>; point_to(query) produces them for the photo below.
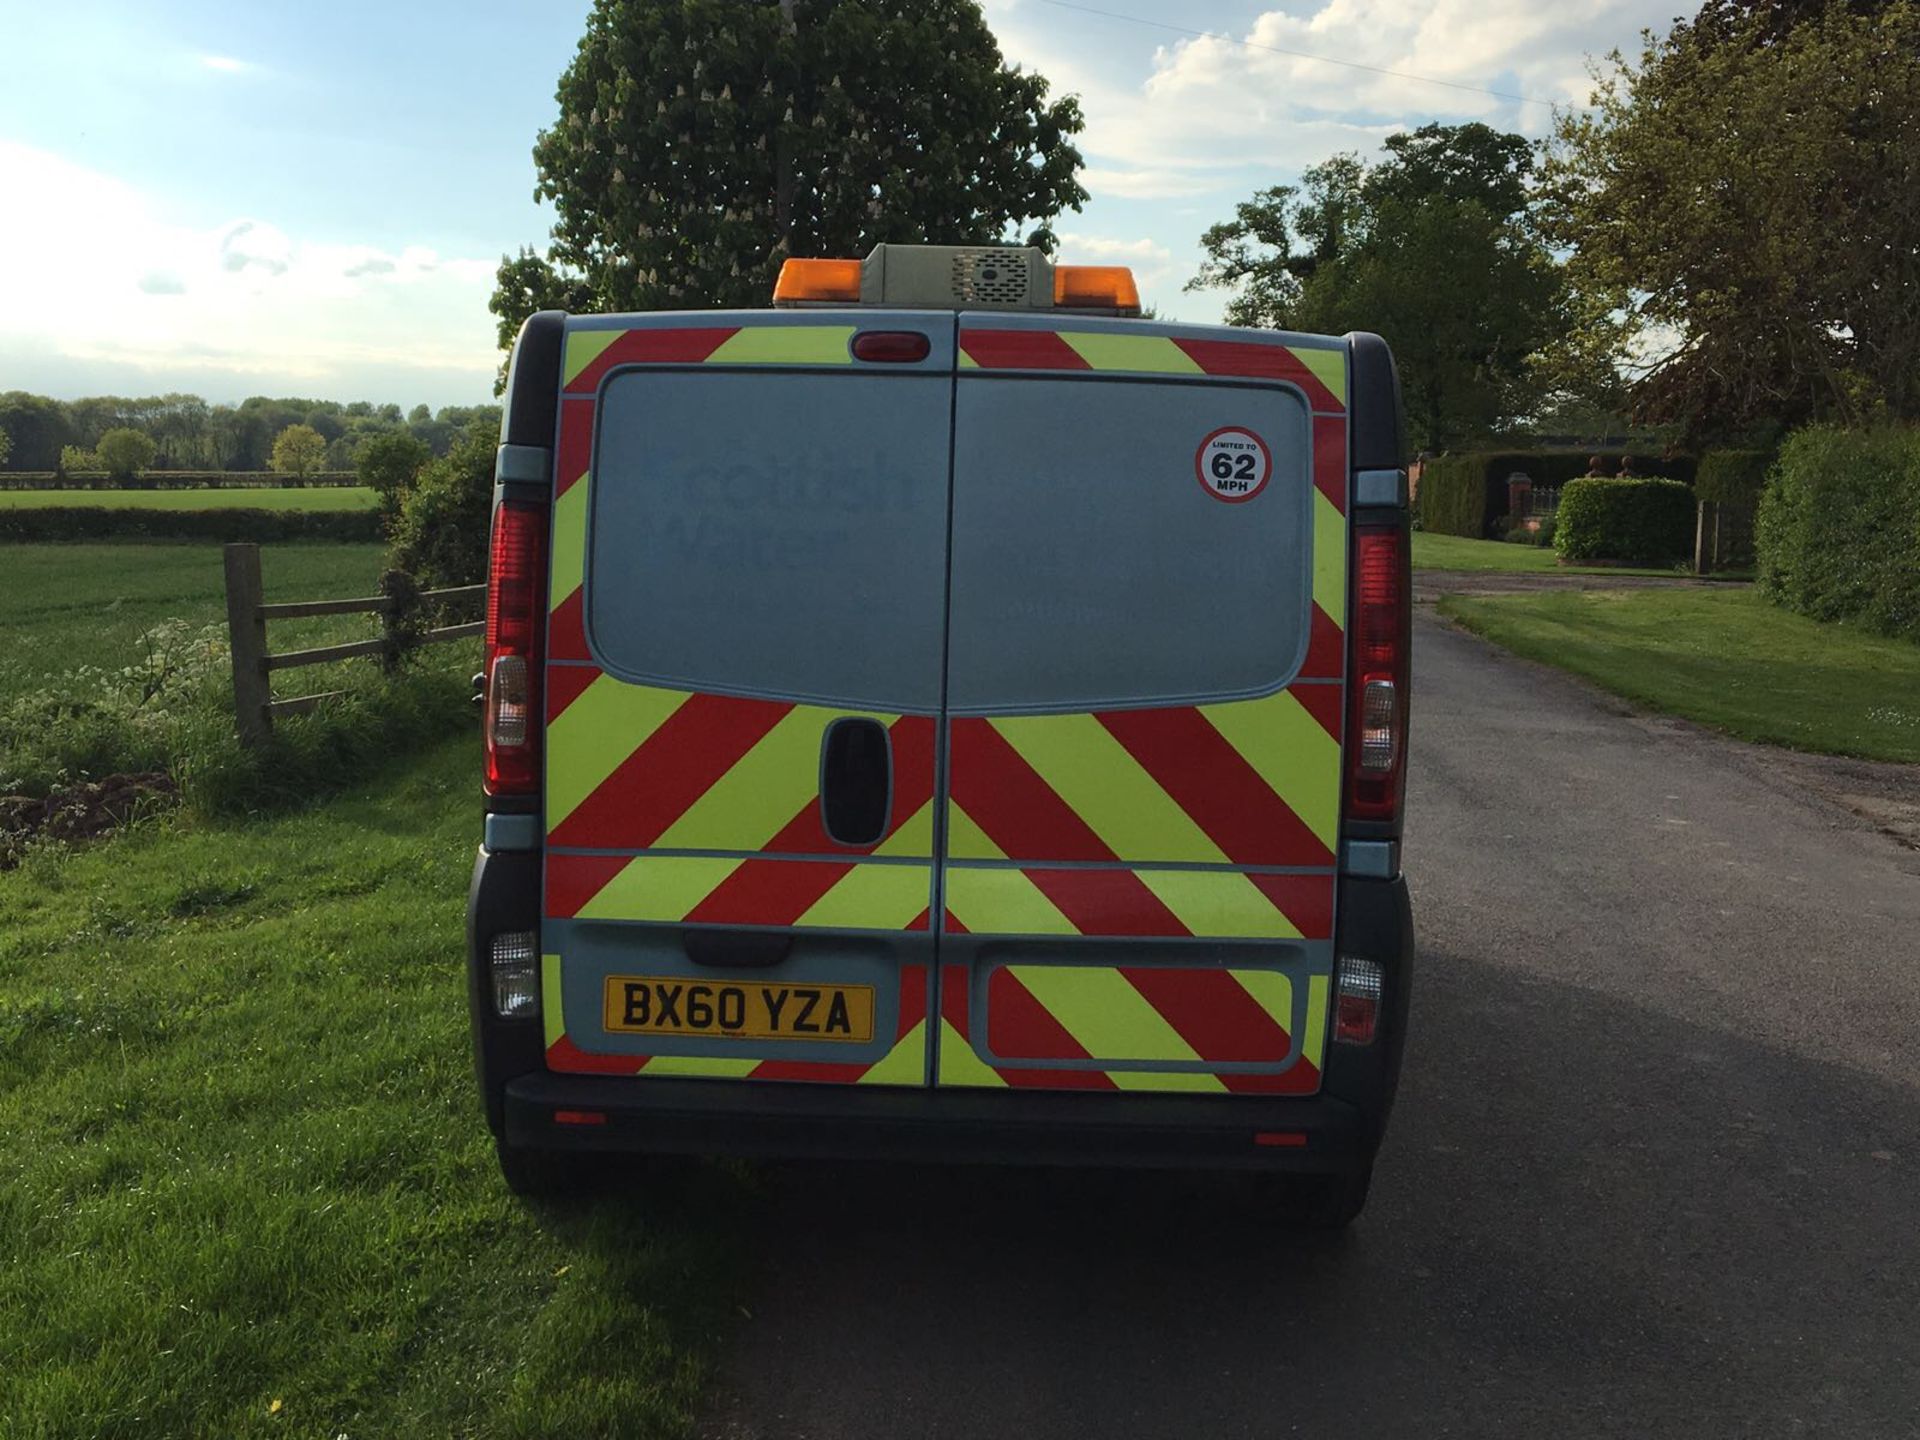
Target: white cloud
<point x="225" y="63"/>
<point x="1150" y="261"/>
<point x="230" y="308"/>
<point x="1222" y="104"/>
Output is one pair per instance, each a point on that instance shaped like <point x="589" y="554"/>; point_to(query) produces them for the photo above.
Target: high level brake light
<point x="1380" y="633"/>
<point x="516" y="632"/>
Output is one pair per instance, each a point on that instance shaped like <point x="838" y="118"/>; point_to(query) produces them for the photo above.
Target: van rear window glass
<point x="1093" y="563"/>
<point x="779" y="534"/>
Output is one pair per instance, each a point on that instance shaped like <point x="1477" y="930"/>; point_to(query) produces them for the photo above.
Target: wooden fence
<point x="254" y="707"/>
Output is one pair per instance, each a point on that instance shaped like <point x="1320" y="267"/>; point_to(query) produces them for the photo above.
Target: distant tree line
<point x="187" y="433"/>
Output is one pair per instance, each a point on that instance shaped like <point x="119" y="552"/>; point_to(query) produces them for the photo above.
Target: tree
<point x="124" y="452"/>
<point x="440" y="537"/>
<point x="6" y="447"/>
<point x="388" y="465"/>
<point x="1745" y="197"/>
<point x="38" y="426"/>
<point x="702" y="142"/>
<point x="77" y="459"/>
<point x="1434" y="248"/>
<point x="298" y="451"/>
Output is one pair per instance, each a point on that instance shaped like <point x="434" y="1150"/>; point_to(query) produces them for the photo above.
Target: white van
<point x="945" y="714"/>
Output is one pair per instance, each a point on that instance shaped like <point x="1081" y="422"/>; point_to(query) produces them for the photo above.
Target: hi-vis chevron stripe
<point x="591" y="354"/>
<point x="1160" y="1028"/>
<point x="1319" y="371"/>
<point x="634" y="767"/>
<point x="904" y="1063"/>
<point x="1247" y="782"/>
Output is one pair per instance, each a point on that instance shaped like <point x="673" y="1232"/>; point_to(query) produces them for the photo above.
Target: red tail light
<point x="516" y="635"/>
<point x="1380" y="631"/>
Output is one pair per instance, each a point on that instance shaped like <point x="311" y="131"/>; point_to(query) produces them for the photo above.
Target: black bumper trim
<point x="758" y="1118"/>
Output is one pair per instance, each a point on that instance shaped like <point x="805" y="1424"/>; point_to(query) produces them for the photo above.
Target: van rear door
<point x="1148" y="582"/>
<point x="743" y="682"/>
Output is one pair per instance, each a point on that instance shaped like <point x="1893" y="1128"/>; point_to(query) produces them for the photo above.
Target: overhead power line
<point x="1295" y="54"/>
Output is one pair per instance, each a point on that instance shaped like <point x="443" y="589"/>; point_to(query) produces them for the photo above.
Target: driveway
<point x="1655" y="1168"/>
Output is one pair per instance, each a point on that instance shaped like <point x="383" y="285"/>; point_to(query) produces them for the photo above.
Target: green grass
<point x="248" y="1191"/>
<point x="73" y="605"/>
<point x="1724" y="658"/>
<point x="1453" y="552"/>
<point x="263" y="497"/>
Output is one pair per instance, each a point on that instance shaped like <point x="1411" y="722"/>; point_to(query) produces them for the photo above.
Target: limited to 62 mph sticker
<point x="1233" y="464"/>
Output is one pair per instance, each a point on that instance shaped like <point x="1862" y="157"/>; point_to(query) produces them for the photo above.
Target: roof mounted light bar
<point x="966" y="277"/>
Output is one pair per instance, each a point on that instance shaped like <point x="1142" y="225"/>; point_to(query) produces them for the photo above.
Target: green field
<point x="265" y="497"/>
<point x="248" y="1190"/>
<point x="1724" y="658"/>
<point x="72" y="605"/>
<point x="1453" y="552"/>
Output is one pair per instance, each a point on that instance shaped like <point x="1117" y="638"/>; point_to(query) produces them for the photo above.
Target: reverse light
<point x="514" y="961"/>
<point x="818" y="280"/>
<point x="516" y="632"/>
<point x="1101" y="287"/>
<point x="1358" y="985"/>
<point x="1380" y="632"/>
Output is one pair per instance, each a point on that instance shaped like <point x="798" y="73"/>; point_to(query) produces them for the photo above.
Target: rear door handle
<point x="856" y="781"/>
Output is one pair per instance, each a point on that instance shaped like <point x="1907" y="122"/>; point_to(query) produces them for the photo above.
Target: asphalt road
<point x="1655" y="1168"/>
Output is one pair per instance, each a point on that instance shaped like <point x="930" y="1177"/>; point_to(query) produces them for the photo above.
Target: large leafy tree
<point x="701" y="142"/>
<point x="1746" y="194"/>
<point x="1432" y="246"/>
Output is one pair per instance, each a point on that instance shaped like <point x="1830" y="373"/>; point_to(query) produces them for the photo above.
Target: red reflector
<point x="1287" y="1139"/>
<point x="891" y="347"/>
<point x="1354" y="1019"/>
<point x="579" y="1117"/>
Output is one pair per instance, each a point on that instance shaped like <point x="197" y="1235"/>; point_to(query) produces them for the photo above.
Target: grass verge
<point x="1724" y="658"/>
<point x="248" y="1190"/>
<point x="1433" y="551"/>
<point x="250" y="497"/>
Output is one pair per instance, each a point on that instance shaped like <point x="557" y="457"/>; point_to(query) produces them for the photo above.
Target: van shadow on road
<point x="1588" y="1218"/>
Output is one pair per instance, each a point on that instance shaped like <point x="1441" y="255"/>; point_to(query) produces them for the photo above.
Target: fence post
<point x="1706" y="526"/>
<point x="247" y="638"/>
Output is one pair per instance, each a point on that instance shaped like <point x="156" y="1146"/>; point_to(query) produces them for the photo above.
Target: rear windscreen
<point x="780" y="534"/>
<point x="1126" y="543"/>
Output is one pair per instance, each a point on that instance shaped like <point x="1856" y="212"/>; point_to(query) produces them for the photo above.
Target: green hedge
<point x="1452" y="497"/>
<point x="1839" y="528"/>
<point x="103" y="522"/>
<point x="1470" y="489"/>
<point x="1641" y="522"/>
<point x="1733" y="477"/>
<point x="174" y="480"/>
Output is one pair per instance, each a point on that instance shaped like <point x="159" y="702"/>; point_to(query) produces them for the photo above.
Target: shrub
<point x="441" y="536"/>
<point x="1839" y="528"/>
<point x="104" y="522"/>
<point x="1642" y="522"/>
<point x="1733" y="477"/>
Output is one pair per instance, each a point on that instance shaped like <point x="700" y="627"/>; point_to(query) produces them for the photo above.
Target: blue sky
<point x="237" y="198"/>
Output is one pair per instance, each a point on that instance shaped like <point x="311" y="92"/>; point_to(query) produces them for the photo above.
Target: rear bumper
<point x="1338" y="1129"/>
<point x="732" y="1118"/>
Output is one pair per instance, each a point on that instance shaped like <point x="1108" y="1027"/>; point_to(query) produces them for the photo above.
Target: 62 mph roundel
<point x="1233" y="464"/>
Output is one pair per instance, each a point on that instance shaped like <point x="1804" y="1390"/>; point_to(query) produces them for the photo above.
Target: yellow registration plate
<point x="753" y="1010"/>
